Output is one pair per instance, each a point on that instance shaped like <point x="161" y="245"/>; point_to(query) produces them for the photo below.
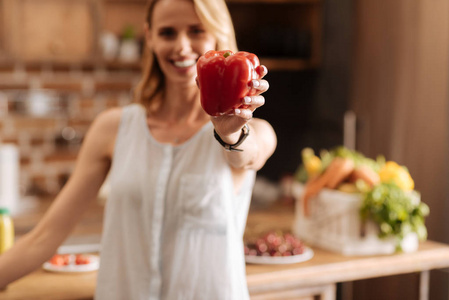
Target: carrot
<point x="366" y="174"/>
<point x="343" y="167"/>
<point x="334" y="174"/>
<point x="313" y="187"/>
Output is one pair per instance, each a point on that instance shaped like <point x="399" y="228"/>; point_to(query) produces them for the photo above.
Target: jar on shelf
<point x="6" y="230"/>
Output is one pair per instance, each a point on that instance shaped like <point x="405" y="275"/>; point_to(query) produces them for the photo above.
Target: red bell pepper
<point x="224" y="78"/>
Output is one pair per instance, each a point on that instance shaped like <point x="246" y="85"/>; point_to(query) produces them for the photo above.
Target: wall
<point x="49" y="141"/>
<point x="307" y="108"/>
<point x="305" y="102"/>
<point x="54" y="48"/>
<point x="401" y="96"/>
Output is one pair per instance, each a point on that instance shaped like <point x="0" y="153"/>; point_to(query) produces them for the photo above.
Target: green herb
<point x="395" y="211"/>
<point x="128" y="32"/>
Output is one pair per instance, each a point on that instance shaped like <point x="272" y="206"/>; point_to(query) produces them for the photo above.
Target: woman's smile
<point x="184" y="63"/>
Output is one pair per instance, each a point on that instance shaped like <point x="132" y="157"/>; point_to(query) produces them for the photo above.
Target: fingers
<point x="244" y="113"/>
<point x="259" y="86"/>
<point x="232" y="121"/>
<point x="250" y="103"/>
<point x="262" y="71"/>
<point x="253" y="102"/>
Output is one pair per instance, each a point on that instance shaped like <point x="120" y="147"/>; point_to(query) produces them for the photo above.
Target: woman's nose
<point x="183" y="44"/>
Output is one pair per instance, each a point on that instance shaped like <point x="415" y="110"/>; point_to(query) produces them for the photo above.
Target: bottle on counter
<point x="6" y="230"/>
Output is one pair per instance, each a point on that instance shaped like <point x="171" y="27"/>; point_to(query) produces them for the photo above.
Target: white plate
<point x="277" y="260"/>
<point x="72" y="268"/>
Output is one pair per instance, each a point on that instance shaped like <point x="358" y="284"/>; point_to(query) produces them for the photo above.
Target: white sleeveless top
<point x="173" y="225"/>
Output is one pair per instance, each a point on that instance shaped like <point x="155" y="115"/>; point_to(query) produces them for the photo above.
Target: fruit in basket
<point x="312" y="163"/>
<point x="340" y="168"/>
<point x="392" y="172"/>
<point x="386" y="191"/>
<point x="366" y="174"/>
<point x="275" y="243"/>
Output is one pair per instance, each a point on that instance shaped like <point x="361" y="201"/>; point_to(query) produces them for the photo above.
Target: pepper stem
<point x="226" y="54"/>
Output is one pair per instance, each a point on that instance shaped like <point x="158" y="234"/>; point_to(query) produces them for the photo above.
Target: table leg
<point x="347" y="290"/>
<point x="424" y="285"/>
<point x="329" y="292"/>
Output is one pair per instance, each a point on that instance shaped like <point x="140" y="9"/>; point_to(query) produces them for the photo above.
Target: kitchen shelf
<point x="285" y="34"/>
<point x="272" y="63"/>
<point x="227" y="1"/>
<point x="287" y="64"/>
<point x="274" y="1"/>
<point x="286" y="21"/>
<point x="67" y="66"/>
<point x="127" y="1"/>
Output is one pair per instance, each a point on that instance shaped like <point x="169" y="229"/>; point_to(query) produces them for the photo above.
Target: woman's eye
<point x="197" y="31"/>
<point x="167" y="33"/>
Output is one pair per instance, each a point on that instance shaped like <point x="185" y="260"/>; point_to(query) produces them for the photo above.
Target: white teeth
<point x="184" y="63"/>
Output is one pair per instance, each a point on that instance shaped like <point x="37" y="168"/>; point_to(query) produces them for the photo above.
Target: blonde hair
<point x="214" y="15"/>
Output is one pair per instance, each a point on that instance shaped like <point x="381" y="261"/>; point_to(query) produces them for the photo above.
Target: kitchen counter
<point x="317" y="276"/>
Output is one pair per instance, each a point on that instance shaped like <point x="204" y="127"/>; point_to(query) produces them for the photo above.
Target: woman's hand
<point x="229" y="125"/>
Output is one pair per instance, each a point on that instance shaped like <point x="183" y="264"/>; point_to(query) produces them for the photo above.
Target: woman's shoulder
<point x="107" y="123"/>
<point x="109" y="118"/>
<point x="113" y="116"/>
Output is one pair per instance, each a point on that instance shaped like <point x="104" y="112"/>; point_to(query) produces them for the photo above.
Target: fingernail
<point x="247" y="100"/>
<point x="256" y="83"/>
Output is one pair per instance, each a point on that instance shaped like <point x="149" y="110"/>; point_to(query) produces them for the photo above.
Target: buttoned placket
<point x="158" y="215"/>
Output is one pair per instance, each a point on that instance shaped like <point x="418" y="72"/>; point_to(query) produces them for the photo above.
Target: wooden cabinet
<point x="116" y="14"/>
<point x="2" y="29"/>
<point x="319" y="292"/>
<point x="50" y="30"/>
<point x="286" y="34"/>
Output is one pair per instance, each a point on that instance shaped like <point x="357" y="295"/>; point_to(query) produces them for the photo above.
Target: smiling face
<point x="178" y="38"/>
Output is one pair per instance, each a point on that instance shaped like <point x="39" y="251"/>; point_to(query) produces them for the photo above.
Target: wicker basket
<point x="334" y="224"/>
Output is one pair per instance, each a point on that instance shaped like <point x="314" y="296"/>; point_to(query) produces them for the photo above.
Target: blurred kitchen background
<point x="386" y="63"/>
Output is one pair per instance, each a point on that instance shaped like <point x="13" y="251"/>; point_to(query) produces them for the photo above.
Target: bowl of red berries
<point x="276" y="247"/>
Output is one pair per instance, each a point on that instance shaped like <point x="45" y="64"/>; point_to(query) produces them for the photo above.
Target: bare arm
<point x="41" y="243"/>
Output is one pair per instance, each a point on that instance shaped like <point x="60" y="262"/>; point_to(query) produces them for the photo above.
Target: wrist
<point x="231" y="138"/>
<point x="231" y="142"/>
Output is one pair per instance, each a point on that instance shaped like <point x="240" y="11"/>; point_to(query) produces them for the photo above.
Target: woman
<point x="177" y="209"/>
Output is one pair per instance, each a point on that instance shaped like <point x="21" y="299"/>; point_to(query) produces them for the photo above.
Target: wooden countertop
<point x="43" y="285"/>
<point x="324" y="268"/>
<point x="327" y="267"/>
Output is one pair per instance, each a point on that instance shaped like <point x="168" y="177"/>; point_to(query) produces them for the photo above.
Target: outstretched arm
<point x="41" y="243"/>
